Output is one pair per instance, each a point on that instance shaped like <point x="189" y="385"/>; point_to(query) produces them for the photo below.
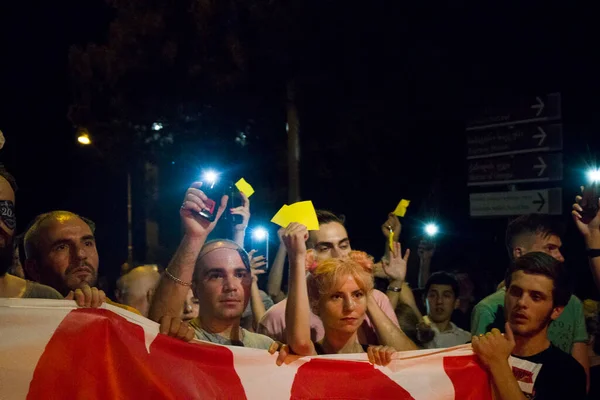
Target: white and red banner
<point x="50" y="349"/>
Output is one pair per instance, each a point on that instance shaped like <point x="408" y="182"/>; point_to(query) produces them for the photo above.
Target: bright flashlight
<point x="594" y="175"/>
<point x="260" y="234"/>
<point x="210" y="177"/>
<point x="431" y="229"/>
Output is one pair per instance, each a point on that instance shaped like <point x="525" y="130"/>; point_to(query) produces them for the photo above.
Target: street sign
<point x="514" y="139"/>
<point x="518" y="168"/>
<point x="524" y="110"/>
<point x="545" y="201"/>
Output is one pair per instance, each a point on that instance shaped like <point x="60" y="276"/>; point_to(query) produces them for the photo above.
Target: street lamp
<point x="261" y="234"/>
<point x="84" y="139"/>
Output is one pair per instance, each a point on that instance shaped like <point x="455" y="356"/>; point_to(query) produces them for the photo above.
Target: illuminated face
<point x="344" y="308"/>
<point x="550" y="245"/>
<point x="330" y="241"/>
<point x="223" y="285"/>
<point x="68" y="257"/>
<point x="528" y="303"/>
<point x="441" y="302"/>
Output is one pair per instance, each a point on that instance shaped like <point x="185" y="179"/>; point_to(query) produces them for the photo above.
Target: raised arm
<point x="256" y="302"/>
<point x="297" y="311"/>
<point x="388" y="333"/>
<point x="276" y="271"/>
<point x="176" y="281"/>
<point x="239" y="230"/>
<point x="591" y="235"/>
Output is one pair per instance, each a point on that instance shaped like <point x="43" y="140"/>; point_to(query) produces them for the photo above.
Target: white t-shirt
<point x="448" y="338"/>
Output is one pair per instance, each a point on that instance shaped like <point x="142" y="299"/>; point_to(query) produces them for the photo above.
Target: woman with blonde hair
<point x="338" y="290"/>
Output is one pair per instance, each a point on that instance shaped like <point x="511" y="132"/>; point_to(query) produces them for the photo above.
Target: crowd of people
<point x="331" y="303"/>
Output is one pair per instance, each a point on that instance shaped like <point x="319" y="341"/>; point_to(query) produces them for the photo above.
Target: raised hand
<point x="294" y="238"/>
<point x="426" y="249"/>
<point x="493" y="347"/>
<point x="392" y="222"/>
<point x="590" y="228"/>
<point x="255" y="264"/>
<point x="87" y="296"/>
<point x="244" y="211"/>
<point x="395" y="268"/>
<point x="194" y="202"/>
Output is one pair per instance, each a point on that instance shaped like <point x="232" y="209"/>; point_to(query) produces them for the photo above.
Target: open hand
<point x="395" y="268"/>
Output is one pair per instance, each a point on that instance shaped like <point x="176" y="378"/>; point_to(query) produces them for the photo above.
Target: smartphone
<point x="214" y="192"/>
<point x="589" y="202"/>
<point x="235" y="200"/>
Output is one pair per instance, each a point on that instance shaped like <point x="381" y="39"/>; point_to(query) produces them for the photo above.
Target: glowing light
<point x="594" y="175"/>
<point x="210" y="177"/>
<point x="260" y="234"/>
<point x="431" y="229"/>
<point x="157" y="126"/>
<point x="84" y="139"/>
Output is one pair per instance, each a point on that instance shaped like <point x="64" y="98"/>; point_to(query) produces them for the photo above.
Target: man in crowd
<point x="330" y="241"/>
<point x="536" y="293"/>
<point x="136" y="288"/>
<point x="536" y="233"/>
<point x="218" y="271"/>
<point x="60" y="251"/>
<point x="10" y="285"/>
<point x="441" y="291"/>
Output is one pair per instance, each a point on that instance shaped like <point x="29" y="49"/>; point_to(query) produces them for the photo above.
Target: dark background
<point x="384" y="113"/>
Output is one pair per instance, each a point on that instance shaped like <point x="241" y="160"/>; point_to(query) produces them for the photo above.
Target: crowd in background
<point x="337" y="299"/>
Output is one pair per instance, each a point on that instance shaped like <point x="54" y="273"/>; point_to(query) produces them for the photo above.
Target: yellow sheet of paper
<point x="401" y="208"/>
<point x="281" y="218"/>
<point x="244" y="187"/>
<point x="304" y="213"/>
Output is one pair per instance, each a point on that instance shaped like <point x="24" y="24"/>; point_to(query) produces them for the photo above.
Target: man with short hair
<point x="536" y="293"/>
<point x="136" y="287"/>
<point x="525" y="234"/>
<point x="219" y="273"/>
<point x="330" y="241"/>
<point x="60" y="251"/>
<point x="441" y="299"/>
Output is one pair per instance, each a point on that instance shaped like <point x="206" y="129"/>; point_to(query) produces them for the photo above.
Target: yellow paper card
<point x="304" y="212"/>
<point x="281" y="218"/>
<point x="244" y="187"/>
<point x="401" y="208"/>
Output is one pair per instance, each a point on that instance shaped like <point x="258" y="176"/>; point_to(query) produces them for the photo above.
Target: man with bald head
<point x="219" y="274"/>
<point x="136" y="288"/>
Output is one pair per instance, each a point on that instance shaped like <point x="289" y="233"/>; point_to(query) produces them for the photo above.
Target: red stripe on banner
<point x="97" y="354"/>
<point x="320" y="378"/>
<point x="468" y="377"/>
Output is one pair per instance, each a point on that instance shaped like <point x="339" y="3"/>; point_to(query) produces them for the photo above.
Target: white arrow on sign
<point x="541" y="166"/>
<point x="539" y="106"/>
<point x="541" y="135"/>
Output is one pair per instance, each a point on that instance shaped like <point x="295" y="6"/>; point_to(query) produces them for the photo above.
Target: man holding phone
<point x="589" y="226"/>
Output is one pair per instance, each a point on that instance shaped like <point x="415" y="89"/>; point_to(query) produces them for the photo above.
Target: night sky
<point x="402" y="78"/>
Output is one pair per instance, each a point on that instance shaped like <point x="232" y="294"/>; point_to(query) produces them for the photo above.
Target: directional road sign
<point x="527" y="109"/>
<point x="520" y="168"/>
<point x="498" y="204"/>
<point x="514" y="139"/>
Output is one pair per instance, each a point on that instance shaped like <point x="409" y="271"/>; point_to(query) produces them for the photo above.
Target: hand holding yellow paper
<point x="302" y="212"/>
<point x="244" y="187"/>
<point x="401" y="207"/>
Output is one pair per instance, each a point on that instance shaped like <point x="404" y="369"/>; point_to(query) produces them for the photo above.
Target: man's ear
<point x="456" y="303"/>
<point x="556" y="312"/>
<point x="518" y="252"/>
<point x="31" y="270"/>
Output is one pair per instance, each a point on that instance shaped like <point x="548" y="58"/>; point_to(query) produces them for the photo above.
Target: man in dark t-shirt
<point x="537" y="292"/>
